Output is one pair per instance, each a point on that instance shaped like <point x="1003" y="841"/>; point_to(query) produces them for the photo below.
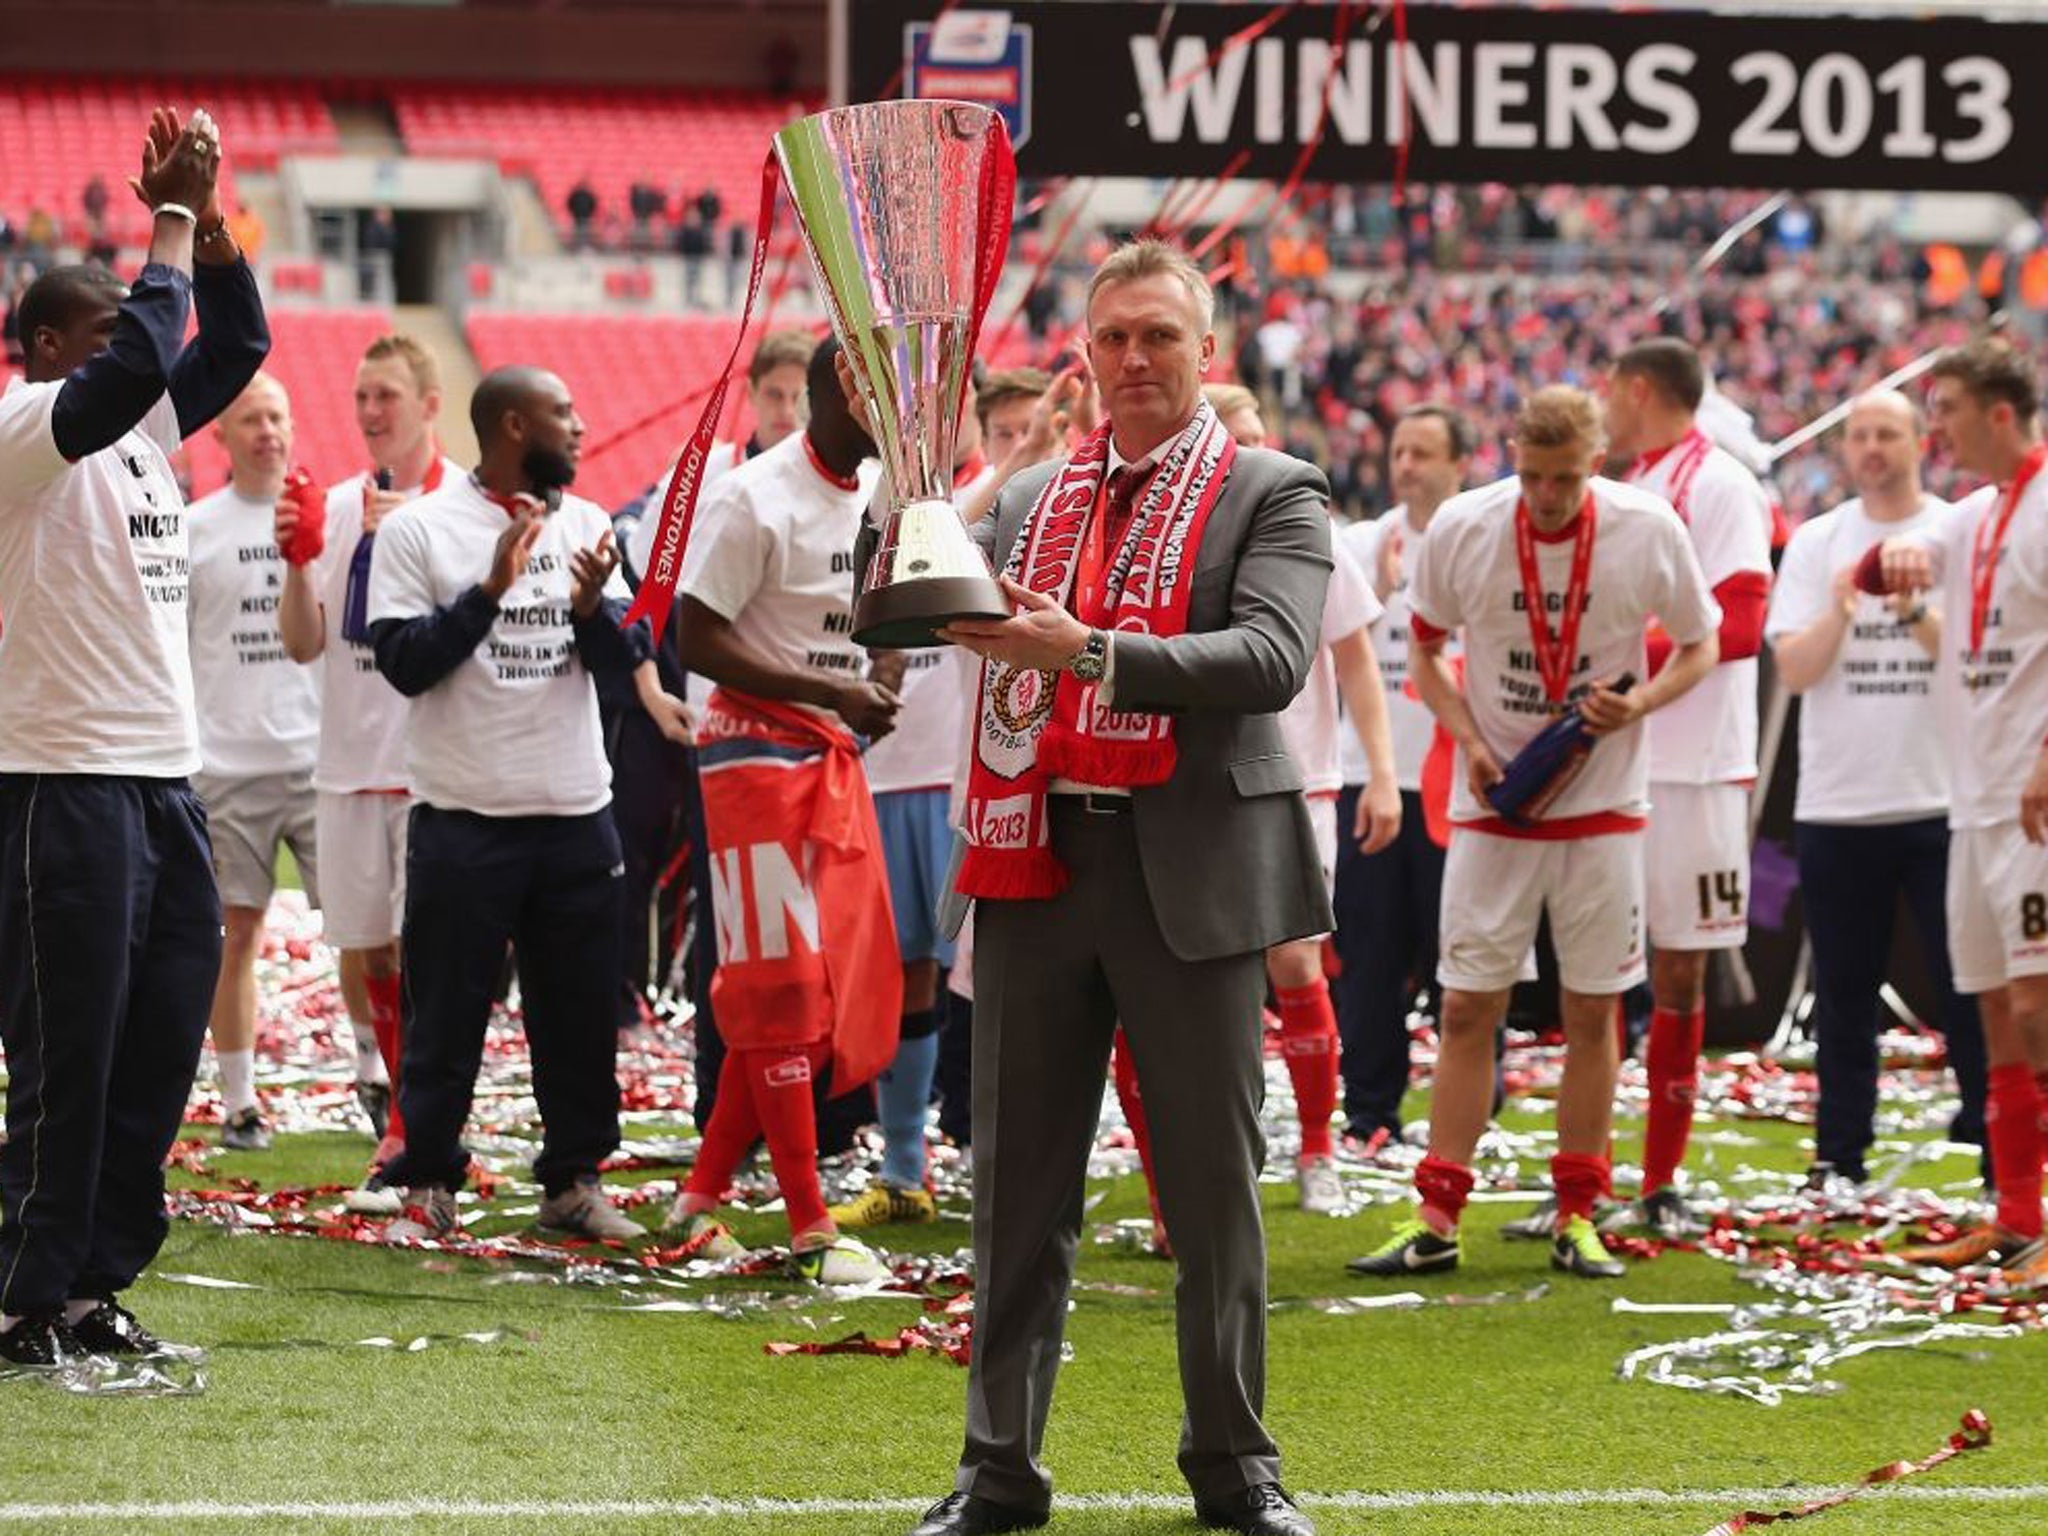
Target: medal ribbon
<point x="1990" y="541"/>
<point x="1555" y="653"/>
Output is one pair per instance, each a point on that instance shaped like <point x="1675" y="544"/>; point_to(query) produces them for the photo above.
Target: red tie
<point x="1124" y="486"/>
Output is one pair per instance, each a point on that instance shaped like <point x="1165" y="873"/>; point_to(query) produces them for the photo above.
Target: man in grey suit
<point x="1171" y="886"/>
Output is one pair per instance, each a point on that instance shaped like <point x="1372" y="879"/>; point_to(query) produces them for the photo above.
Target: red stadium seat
<point x="61" y="131"/>
<point x="638" y="380"/>
<point x="313" y="353"/>
<point x="679" y="140"/>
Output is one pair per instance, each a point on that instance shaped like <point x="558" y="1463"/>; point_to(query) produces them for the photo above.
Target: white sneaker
<point x="373" y="1197"/>
<point x="429" y="1215"/>
<point x="843" y="1261"/>
<point x="1322" y="1191"/>
<point x="582" y="1210"/>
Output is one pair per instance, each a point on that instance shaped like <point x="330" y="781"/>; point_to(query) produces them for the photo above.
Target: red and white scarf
<point x="1033" y="727"/>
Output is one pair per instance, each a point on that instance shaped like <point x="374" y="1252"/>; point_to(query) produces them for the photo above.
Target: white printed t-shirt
<point x="362" y="726"/>
<point x="1313" y="723"/>
<point x="776" y="559"/>
<point x="1999" y="700"/>
<point x="1408" y="718"/>
<point x="1870" y="731"/>
<point x="95" y="673"/>
<point x="928" y="749"/>
<point x="259" y="711"/>
<point x="513" y="730"/>
<point x="1468" y="576"/>
<point x="1708" y="736"/>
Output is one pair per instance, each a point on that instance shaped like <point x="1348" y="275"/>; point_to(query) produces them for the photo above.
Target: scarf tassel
<point x="1030" y="874"/>
<point x="1064" y="753"/>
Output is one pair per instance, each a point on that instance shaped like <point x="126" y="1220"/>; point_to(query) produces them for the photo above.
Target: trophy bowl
<point x="904" y="211"/>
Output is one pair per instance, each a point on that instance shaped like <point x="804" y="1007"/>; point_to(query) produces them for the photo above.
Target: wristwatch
<point x="1092" y="660"/>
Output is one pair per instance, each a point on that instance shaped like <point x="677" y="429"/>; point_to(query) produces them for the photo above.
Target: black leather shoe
<point x="41" y="1342"/>
<point x="1260" y="1510"/>
<point x="969" y="1514"/>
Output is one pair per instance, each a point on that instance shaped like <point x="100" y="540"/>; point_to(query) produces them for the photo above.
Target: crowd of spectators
<point x="1476" y="296"/>
<point x="1357" y="303"/>
<point x="1783" y="349"/>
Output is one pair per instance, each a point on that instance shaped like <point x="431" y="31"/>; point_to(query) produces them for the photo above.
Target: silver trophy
<point x="896" y="204"/>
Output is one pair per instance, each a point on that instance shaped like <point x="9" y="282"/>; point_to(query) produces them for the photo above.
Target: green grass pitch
<point x="582" y="1402"/>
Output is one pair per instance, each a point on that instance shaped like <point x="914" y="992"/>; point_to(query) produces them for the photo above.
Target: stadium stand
<point x="679" y="140"/>
<point x="621" y="369"/>
<point x="313" y="354"/>
<point x="61" y="131"/>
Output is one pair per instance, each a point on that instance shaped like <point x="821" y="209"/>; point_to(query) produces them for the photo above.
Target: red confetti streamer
<point x="1038" y="273"/>
<point x="1407" y="102"/>
<point x="1243" y="37"/>
<point x="1186" y="217"/>
<point x="954" y="1341"/>
<point x="1974" y="1435"/>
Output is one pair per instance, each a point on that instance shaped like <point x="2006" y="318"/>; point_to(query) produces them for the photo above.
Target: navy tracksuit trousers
<point x="1386" y="939"/>
<point x="1851" y="879"/>
<point x="110" y="936"/>
<point x="550" y="886"/>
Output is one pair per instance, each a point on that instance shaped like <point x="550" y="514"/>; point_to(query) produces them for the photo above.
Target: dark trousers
<point x="647" y="808"/>
<point x="110" y="943"/>
<point x="1386" y="938"/>
<point x="550" y="887"/>
<point x="953" y="1082"/>
<point x="1851" y="879"/>
<point x="1053" y="979"/>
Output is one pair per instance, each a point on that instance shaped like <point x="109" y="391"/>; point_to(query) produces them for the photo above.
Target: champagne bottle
<point x="1545" y="768"/>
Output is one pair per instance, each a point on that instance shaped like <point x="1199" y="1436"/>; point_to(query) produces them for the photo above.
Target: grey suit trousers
<point x="1053" y="979"/>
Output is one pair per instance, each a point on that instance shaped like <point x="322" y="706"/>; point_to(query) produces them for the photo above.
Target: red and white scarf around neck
<point x="1032" y="727"/>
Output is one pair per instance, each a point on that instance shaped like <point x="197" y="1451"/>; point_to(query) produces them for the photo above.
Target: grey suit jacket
<point x="1229" y="854"/>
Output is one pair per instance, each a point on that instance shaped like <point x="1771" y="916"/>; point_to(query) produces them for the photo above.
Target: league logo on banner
<point x="977" y="56"/>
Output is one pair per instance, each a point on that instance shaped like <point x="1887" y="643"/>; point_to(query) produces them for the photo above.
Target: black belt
<point x="1091" y="803"/>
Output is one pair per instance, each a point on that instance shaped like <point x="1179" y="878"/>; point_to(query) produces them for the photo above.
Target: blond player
<point x="1702" y="752"/>
<point x="1553" y="576"/>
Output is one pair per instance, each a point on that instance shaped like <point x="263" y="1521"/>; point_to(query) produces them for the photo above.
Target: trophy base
<point x="907" y="615"/>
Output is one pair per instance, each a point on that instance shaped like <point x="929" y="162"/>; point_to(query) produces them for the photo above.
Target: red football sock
<point x="780" y="1080"/>
<point x="1442" y="1187"/>
<point x="2041" y="1092"/>
<point x="766" y="1093"/>
<point x="2012" y="1124"/>
<point x="1125" y="1070"/>
<point x="1308" y="1039"/>
<point x="1673" y="1060"/>
<point x="387" y="1014"/>
<point x="734" y="1128"/>
<point x="1580" y="1179"/>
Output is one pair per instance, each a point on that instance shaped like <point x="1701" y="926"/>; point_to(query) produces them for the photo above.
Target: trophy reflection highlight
<point x="904" y="210"/>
